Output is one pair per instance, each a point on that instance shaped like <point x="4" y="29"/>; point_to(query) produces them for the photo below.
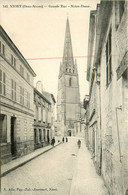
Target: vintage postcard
<point x="64" y="97"/>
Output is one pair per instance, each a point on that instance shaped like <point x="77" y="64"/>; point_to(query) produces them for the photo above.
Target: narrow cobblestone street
<point x="64" y="97"/>
<point x="51" y="173"/>
<point x="54" y="173"/>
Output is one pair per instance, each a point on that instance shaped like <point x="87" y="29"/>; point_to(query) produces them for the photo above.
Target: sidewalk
<point x="14" y="164"/>
<point x="85" y="180"/>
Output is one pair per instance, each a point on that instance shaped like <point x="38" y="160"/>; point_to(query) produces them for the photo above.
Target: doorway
<point x="13" y="144"/>
<point x="48" y="139"/>
<point x="35" y="137"/>
<point x="69" y="133"/>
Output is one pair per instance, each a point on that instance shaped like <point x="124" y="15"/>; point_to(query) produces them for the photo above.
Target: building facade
<point x="79" y="125"/>
<point x="68" y="98"/>
<point x="93" y="108"/>
<point x="86" y="120"/>
<point x="16" y="101"/>
<point x="107" y="109"/>
<point x="52" y="100"/>
<point x="44" y="103"/>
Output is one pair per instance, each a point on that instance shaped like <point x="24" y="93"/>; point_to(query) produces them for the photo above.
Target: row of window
<point x="40" y="101"/>
<point x="13" y="61"/>
<point x="119" y="13"/>
<point x="13" y="89"/>
<point x="3" y="130"/>
<point x="42" y="115"/>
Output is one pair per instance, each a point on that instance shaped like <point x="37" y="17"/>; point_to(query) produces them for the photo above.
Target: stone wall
<point x="114" y="125"/>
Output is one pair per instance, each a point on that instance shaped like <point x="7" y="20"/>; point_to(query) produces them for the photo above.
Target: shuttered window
<point x="2" y="83"/>
<point x="21" y="95"/>
<point x="28" y="99"/>
<point x="13" y="90"/>
<point x="2" y="49"/>
<point x="13" y="61"/>
<point x="108" y="59"/>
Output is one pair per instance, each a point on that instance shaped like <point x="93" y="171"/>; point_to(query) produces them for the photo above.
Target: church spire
<point x="68" y="61"/>
<point x="68" y="98"/>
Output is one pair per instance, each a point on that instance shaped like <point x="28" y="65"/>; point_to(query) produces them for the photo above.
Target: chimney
<point x="39" y="86"/>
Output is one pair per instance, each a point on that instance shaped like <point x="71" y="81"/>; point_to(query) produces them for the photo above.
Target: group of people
<point x="53" y="140"/>
<point x="64" y="139"/>
<point x="78" y="142"/>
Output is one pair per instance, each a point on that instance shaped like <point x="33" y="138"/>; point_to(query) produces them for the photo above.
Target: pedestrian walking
<point x="66" y="139"/>
<point x="79" y="143"/>
<point x="53" y="141"/>
<point x="63" y="140"/>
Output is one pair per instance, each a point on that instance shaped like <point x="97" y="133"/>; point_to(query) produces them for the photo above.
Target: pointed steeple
<point x="68" y="61"/>
<point x="68" y="98"/>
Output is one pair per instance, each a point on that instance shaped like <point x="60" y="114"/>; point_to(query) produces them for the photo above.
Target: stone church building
<point x="68" y="99"/>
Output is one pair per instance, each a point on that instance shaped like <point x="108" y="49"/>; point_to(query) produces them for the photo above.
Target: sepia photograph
<point x="64" y="97"/>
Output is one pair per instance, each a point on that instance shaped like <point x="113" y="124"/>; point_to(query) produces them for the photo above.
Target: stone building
<point x="108" y="98"/>
<point x="16" y="101"/>
<point x="68" y="99"/>
<point x="79" y="125"/>
<point x="93" y="109"/>
<point x="52" y="100"/>
<point x="44" y="116"/>
<point x="86" y="120"/>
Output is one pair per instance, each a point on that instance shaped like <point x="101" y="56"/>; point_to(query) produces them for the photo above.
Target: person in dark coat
<point x="53" y="141"/>
<point x="63" y="140"/>
<point x="66" y="139"/>
<point x="79" y="143"/>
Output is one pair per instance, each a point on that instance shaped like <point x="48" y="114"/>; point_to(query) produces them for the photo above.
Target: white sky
<point x="40" y="33"/>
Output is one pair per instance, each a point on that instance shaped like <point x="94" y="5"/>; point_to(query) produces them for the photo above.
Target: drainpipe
<point x="118" y="133"/>
<point x="100" y="128"/>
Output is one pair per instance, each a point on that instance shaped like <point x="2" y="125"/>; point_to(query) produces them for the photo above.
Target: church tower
<point x="68" y="99"/>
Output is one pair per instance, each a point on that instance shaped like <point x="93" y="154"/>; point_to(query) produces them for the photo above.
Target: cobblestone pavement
<point x="85" y="179"/>
<point x="48" y="174"/>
